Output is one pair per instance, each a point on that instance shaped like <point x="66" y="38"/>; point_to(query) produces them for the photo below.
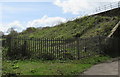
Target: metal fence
<point x="99" y="9"/>
<point x="106" y="7"/>
<point x="74" y="48"/>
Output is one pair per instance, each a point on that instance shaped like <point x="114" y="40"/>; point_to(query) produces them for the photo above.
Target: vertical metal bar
<point x="119" y="4"/>
<point x="42" y="45"/>
<point x="64" y="49"/>
<point x="33" y="45"/>
<point x="39" y="47"/>
<point x="57" y="48"/>
<point x="78" y="48"/>
<point x="51" y="46"/>
<point x="75" y="47"/>
<point x="54" y="46"/>
<point x="60" y="41"/>
<point x="99" y="40"/>
<point x="46" y="47"/>
<point x="55" y="41"/>
<point x="110" y="5"/>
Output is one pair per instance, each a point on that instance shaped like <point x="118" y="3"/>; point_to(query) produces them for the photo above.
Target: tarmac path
<point x="108" y="68"/>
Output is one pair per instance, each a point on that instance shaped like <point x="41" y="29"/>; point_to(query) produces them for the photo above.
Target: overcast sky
<point x="41" y="13"/>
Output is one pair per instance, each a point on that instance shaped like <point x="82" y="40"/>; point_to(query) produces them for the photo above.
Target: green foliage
<point x="4" y="53"/>
<point x="54" y="67"/>
<point x="29" y="30"/>
<point x="110" y="47"/>
<point x="12" y="32"/>
<point x="81" y="27"/>
<point x="68" y="55"/>
<point x="19" y="52"/>
<point x="45" y="56"/>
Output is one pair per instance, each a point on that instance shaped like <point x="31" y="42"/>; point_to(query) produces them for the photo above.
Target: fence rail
<point x="109" y="6"/>
<point x="74" y="48"/>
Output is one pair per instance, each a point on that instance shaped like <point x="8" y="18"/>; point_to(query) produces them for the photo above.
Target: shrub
<point x="110" y="48"/>
<point x="18" y="52"/>
<point x="4" y="53"/>
<point x="46" y="56"/>
<point x="68" y="55"/>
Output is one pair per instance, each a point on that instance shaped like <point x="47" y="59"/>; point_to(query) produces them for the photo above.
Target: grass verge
<point x="55" y="67"/>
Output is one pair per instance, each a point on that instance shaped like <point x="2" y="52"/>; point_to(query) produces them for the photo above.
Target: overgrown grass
<point x="86" y="27"/>
<point x="55" y="67"/>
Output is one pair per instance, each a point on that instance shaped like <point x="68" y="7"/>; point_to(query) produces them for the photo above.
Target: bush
<point x="4" y="53"/>
<point x="110" y="48"/>
<point x="18" y="52"/>
<point x="68" y="55"/>
<point x="46" y="56"/>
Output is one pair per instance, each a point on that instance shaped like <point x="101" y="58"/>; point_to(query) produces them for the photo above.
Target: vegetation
<point x="81" y="27"/>
<point x="55" y="67"/>
<point x="87" y="26"/>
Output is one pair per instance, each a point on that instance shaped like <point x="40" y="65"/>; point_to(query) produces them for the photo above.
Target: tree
<point x="12" y="32"/>
<point x="29" y="30"/>
<point x="1" y="33"/>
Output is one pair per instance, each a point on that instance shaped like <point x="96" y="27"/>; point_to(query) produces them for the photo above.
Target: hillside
<point x="99" y="24"/>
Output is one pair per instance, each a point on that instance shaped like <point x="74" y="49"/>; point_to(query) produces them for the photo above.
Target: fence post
<point x="78" y="51"/>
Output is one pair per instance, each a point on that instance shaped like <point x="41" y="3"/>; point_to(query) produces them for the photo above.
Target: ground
<point x="38" y="67"/>
<point x="107" y="68"/>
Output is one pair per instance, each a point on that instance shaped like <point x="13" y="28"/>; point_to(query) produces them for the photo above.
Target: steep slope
<point x="99" y="24"/>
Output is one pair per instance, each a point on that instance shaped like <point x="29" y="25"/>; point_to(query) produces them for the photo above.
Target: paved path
<point x="109" y="68"/>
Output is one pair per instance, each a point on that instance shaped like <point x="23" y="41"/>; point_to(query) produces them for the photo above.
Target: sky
<point x="21" y="14"/>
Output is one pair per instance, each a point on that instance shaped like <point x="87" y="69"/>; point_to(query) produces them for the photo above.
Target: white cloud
<point x="74" y="6"/>
<point x="46" y="21"/>
<point x="42" y="22"/>
<point x="16" y="25"/>
<point x="79" y="6"/>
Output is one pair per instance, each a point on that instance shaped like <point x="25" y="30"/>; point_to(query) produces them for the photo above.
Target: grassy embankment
<point x="82" y="27"/>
